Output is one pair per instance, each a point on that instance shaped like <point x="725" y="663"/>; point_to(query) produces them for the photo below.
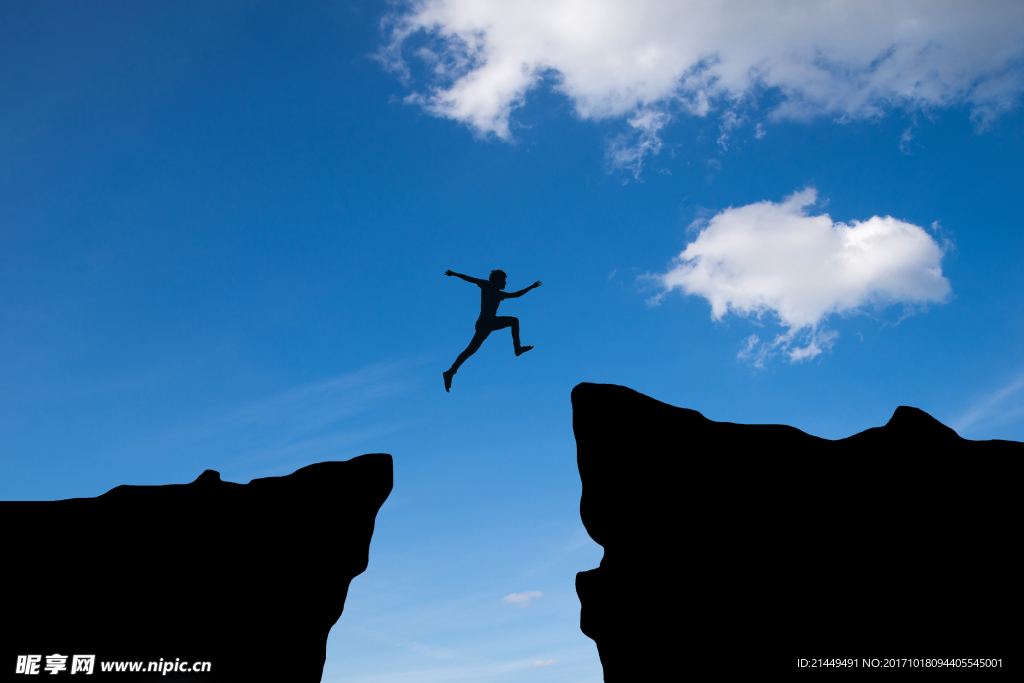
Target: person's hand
<point x="449" y="273"/>
<point x="538" y="283"/>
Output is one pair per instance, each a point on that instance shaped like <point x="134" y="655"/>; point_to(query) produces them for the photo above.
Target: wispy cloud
<point x="995" y="406"/>
<point x="521" y="599"/>
<point x="629" y="150"/>
<point x="419" y="648"/>
<point x="299" y="425"/>
<point x="542" y="662"/>
<point x="906" y="138"/>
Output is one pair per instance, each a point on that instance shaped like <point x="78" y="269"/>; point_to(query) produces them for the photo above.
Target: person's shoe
<point x="523" y="349"/>
<point x="447" y="379"/>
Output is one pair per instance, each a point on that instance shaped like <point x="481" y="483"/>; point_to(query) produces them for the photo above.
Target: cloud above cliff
<point x="521" y="599"/>
<point x="648" y="61"/>
<point x="777" y="259"/>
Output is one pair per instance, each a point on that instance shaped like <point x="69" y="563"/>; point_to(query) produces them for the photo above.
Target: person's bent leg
<point x="504" y="321"/>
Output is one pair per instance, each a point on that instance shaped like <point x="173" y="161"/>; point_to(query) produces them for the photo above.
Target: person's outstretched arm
<point x="516" y="295"/>
<point x="467" y="278"/>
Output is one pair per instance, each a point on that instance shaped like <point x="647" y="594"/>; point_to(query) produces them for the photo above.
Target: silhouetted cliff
<point x="745" y="547"/>
<point x="247" y="577"/>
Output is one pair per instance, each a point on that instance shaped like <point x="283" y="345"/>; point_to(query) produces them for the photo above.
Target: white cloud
<point x="521" y="599"/>
<point x="541" y="662"/>
<point x="776" y="258"/>
<point x="647" y="60"/>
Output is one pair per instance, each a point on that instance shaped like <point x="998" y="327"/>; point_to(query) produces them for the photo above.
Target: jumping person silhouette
<point x="489" y="320"/>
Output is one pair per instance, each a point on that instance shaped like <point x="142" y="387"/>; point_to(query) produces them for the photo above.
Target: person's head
<point x="498" y="278"/>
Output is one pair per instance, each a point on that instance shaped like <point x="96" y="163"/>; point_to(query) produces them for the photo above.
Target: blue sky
<point x="223" y="233"/>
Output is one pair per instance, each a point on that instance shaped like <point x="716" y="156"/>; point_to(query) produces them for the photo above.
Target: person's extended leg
<point x="477" y="340"/>
<point x="473" y="347"/>
<point x="504" y="321"/>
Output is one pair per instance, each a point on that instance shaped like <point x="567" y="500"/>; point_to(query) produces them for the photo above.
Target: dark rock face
<point x="247" y="577"/>
<point x="745" y="547"/>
